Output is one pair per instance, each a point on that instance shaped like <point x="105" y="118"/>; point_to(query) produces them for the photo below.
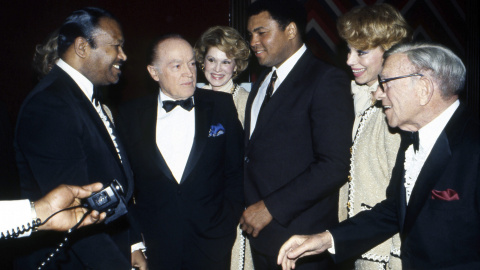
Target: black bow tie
<point x="187" y="104"/>
<point x="412" y="138"/>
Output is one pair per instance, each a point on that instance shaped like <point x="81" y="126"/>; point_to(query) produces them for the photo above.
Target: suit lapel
<point x="86" y="110"/>
<point x="398" y="179"/>
<point x="91" y="113"/>
<point x="286" y="89"/>
<point x="86" y="105"/>
<point x="431" y="171"/>
<point x="433" y="168"/>
<point x="203" y="113"/>
<point x="149" y="130"/>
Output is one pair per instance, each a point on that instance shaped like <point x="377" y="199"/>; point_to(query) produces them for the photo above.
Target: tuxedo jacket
<point x="60" y="139"/>
<point x="201" y="211"/>
<point x="436" y="233"/>
<point x="298" y="155"/>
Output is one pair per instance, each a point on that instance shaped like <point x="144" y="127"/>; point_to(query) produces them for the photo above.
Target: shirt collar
<point x="85" y="85"/>
<point x="363" y="88"/>
<point x="226" y="88"/>
<point x="429" y="134"/>
<point x="288" y="65"/>
<point x="163" y="97"/>
<point x="362" y="96"/>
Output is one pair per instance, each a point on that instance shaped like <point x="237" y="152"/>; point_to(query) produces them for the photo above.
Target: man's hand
<point x="62" y="197"/>
<point x="138" y="260"/>
<point x="255" y="218"/>
<point x="299" y="246"/>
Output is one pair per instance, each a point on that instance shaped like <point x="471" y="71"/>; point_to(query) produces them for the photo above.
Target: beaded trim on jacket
<point x="351" y="187"/>
<point x="236" y="88"/>
<point x="351" y="182"/>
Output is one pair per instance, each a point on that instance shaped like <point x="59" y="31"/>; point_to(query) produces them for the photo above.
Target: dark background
<point x="27" y="23"/>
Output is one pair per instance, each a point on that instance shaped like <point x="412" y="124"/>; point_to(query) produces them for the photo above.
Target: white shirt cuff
<point x="15" y="214"/>
<point x="138" y="246"/>
<point x="332" y="249"/>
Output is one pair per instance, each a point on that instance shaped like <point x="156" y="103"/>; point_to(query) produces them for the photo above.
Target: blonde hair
<point x="46" y="55"/>
<point x="368" y="27"/>
<point x="226" y="39"/>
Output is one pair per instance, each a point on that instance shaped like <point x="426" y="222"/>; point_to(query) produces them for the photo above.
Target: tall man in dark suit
<point x="64" y="137"/>
<point x="298" y="119"/>
<point x="185" y="147"/>
<point x="433" y="199"/>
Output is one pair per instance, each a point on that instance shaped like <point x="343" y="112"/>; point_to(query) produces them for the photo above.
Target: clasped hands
<point x="299" y="246"/>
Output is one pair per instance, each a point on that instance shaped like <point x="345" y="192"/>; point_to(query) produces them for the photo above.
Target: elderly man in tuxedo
<point x="433" y="199"/>
<point x="185" y="147"/>
<point x="64" y="137"/>
<point x="298" y="119"/>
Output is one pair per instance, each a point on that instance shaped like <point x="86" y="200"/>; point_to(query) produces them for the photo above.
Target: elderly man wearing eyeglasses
<point x="434" y="194"/>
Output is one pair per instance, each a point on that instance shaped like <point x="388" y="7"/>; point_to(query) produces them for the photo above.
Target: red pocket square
<point x="445" y="195"/>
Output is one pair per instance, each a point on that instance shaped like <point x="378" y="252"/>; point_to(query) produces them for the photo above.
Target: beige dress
<point x="374" y="153"/>
<point x="241" y="253"/>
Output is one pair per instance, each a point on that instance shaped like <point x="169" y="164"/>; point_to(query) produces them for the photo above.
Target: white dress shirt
<point x="14" y="214"/>
<point x="428" y="135"/>
<point x="174" y="135"/>
<point x="282" y="73"/>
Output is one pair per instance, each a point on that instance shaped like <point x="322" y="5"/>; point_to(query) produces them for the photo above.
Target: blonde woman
<point x="223" y="55"/>
<point x="369" y="31"/>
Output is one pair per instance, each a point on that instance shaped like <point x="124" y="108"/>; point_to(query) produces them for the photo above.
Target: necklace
<point x="234" y="90"/>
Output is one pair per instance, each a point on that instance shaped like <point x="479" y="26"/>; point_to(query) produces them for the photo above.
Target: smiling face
<point x="400" y="99"/>
<point x="219" y="68"/>
<point x="365" y="65"/>
<point x="102" y="63"/>
<point x="271" y="45"/>
<point x="174" y="68"/>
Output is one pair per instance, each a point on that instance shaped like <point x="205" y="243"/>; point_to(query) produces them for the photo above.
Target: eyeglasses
<point x="381" y="82"/>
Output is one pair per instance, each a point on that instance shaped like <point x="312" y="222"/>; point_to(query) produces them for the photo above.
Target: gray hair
<point x="445" y="67"/>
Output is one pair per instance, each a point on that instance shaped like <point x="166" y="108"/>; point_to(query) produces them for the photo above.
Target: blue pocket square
<point x="216" y="130"/>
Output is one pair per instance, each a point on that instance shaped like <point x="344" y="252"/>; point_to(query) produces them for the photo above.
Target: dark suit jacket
<point x="60" y="139"/>
<point x="298" y="155"/>
<point x="436" y="234"/>
<point x="204" y="209"/>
